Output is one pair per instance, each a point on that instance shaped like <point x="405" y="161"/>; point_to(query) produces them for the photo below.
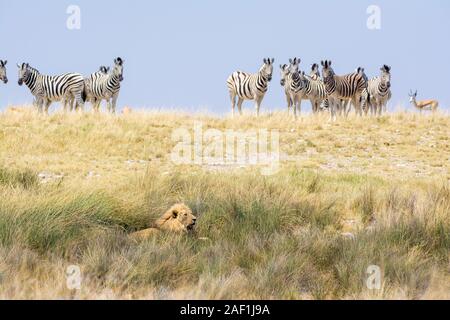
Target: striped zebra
<point x="315" y="75"/>
<point x="314" y="91"/>
<point x="248" y="86"/>
<point x="379" y="89"/>
<point x="3" y="76"/>
<point x="347" y="87"/>
<point x="94" y="78"/>
<point x="292" y="84"/>
<point x="48" y="89"/>
<point x="107" y="87"/>
<point x="103" y="70"/>
<point x="284" y="75"/>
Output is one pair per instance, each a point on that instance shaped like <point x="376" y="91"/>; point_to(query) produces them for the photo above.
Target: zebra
<point x="292" y="85"/>
<point x="47" y="89"/>
<point x="3" y="76"/>
<point x="247" y="86"/>
<point x="103" y="71"/>
<point x="285" y="73"/>
<point x="347" y="87"/>
<point x="94" y="78"/>
<point x="314" y="74"/>
<point x="314" y="91"/>
<point x="379" y="89"/>
<point x="107" y="86"/>
<point x="346" y="104"/>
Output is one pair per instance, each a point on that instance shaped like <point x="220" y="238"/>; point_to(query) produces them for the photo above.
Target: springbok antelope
<point x="424" y="104"/>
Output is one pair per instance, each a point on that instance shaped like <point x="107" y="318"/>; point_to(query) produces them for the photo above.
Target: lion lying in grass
<point x="177" y="219"/>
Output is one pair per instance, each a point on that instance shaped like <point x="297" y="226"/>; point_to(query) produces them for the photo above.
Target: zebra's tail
<point x="83" y="94"/>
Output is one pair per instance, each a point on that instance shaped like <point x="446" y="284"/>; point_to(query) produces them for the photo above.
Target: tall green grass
<point x="262" y="237"/>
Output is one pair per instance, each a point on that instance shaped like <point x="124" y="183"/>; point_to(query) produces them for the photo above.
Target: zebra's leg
<point x="258" y="100"/>
<point x="65" y="102"/>
<point x="233" y="102"/>
<point x="96" y="104"/>
<point x="355" y="102"/>
<point x="313" y="106"/>
<point x="299" y="106"/>
<point x="380" y="108"/>
<point x="114" y="103"/>
<point x="347" y="107"/>
<point x="79" y="101"/>
<point x="108" y="104"/>
<point x="47" y="105"/>
<point x="332" y="105"/>
<point x="294" y="100"/>
<point x="239" y="105"/>
<point x="289" y="103"/>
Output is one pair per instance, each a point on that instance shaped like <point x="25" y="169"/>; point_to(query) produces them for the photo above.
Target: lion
<point x="178" y="219"/>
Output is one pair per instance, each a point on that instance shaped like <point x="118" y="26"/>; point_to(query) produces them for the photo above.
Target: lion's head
<point x="178" y="218"/>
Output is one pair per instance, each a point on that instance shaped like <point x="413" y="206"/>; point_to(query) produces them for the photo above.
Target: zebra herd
<point x="71" y="88"/>
<point x="326" y="91"/>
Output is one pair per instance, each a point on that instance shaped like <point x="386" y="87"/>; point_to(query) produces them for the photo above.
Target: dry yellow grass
<point x="349" y="194"/>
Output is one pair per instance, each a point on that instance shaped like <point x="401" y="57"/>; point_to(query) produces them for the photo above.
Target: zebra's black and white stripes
<point x="95" y="78"/>
<point x="379" y="89"/>
<point x="106" y="86"/>
<point x="347" y="87"/>
<point x="246" y="86"/>
<point x="3" y="76"/>
<point x="292" y="83"/>
<point x="47" y="89"/>
<point x="314" y="90"/>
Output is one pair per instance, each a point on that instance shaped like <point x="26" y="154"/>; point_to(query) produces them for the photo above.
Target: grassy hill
<point x="347" y="195"/>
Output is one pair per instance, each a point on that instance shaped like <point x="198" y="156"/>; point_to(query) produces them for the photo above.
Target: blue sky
<point x="178" y="54"/>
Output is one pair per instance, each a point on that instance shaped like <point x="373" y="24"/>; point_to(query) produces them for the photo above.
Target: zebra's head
<point x="315" y="73"/>
<point x="284" y="73"/>
<point x="3" y="76"/>
<point x="386" y="75"/>
<point x="24" y="72"/>
<point x="327" y="71"/>
<point x="412" y="96"/>
<point x="294" y="64"/>
<point x="267" y="68"/>
<point x="118" y="68"/>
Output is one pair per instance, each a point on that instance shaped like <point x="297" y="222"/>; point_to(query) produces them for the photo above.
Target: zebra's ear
<point x="272" y="61"/>
<point x="290" y="60"/>
<point x="265" y="61"/>
<point x="322" y="63"/>
<point x="5" y="62"/>
<point x="18" y="66"/>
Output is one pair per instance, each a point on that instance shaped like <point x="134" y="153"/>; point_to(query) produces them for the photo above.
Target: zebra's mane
<point x="33" y="69"/>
